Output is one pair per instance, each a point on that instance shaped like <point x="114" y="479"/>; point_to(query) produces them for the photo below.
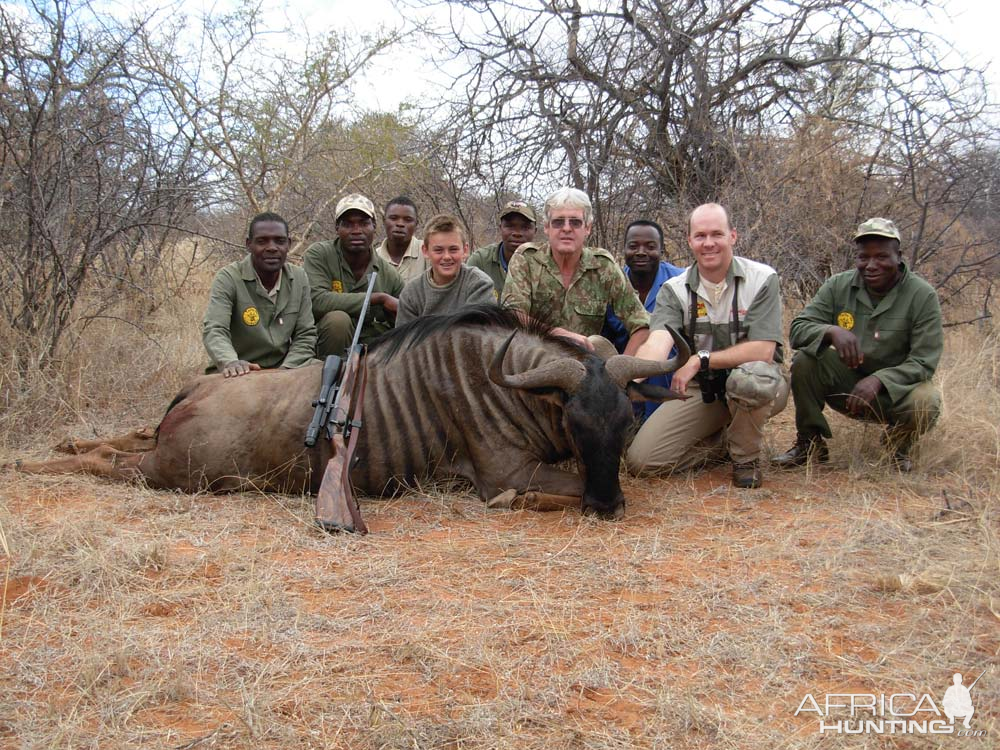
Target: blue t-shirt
<point x="615" y="332"/>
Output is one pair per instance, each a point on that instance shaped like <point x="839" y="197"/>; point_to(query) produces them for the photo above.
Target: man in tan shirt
<point x="400" y="248"/>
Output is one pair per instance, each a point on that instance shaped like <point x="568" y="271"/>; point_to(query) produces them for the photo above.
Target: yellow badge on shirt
<point x="702" y="310"/>
<point x="336" y="285"/>
<point x="251" y="317"/>
<point x="845" y="320"/>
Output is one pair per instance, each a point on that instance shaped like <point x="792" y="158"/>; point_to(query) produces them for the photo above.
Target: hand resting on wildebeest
<point x="476" y="394"/>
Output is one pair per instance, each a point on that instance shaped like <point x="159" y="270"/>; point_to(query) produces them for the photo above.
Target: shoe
<point x="747" y="476"/>
<point x="806" y="449"/>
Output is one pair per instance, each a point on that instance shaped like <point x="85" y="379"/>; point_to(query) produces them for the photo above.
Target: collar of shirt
<point x="272" y="293"/>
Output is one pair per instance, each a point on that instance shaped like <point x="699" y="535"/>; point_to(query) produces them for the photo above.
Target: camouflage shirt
<point x="534" y="286"/>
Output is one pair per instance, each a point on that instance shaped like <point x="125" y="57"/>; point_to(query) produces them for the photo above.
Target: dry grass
<point x="135" y="618"/>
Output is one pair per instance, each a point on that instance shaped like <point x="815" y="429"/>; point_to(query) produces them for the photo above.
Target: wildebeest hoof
<point x="332" y="527"/>
<point x="504" y="501"/>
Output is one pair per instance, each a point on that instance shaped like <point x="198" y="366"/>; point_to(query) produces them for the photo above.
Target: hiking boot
<point x="747" y="476"/>
<point x="806" y="449"/>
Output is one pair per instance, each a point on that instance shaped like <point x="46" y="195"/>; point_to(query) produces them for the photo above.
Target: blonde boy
<point x="448" y="284"/>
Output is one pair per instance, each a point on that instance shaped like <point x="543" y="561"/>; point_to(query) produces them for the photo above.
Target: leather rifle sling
<point x="353" y="413"/>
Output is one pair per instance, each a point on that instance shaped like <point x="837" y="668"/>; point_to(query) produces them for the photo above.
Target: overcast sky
<point x="970" y="24"/>
<point x="407" y="73"/>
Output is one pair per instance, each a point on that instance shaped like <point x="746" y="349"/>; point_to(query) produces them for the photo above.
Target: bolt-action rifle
<point x="338" y="416"/>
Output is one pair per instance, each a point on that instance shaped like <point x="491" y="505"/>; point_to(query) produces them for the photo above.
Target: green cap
<point x="518" y="207"/>
<point x="354" y="202"/>
<point x="878" y="227"/>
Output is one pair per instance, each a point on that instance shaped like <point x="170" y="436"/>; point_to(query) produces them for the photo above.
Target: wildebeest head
<point x="597" y="412"/>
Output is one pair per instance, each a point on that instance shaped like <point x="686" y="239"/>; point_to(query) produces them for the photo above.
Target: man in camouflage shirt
<point x="568" y="285"/>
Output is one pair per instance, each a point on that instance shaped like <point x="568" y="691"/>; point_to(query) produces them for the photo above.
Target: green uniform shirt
<point x="901" y="336"/>
<point x="242" y="322"/>
<point x="758" y="307"/>
<point x="487" y="260"/>
<point x="534" y="286"/>
<point x="335" y="288"/>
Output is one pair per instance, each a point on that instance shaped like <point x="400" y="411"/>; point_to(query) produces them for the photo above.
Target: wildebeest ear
<point x="648" y="392"/>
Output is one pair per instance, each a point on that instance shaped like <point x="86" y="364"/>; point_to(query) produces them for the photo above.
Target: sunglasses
<point x="559" y="223"/>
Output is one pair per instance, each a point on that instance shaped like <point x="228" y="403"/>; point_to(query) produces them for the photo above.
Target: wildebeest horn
<point x="622" y="368"/>
<point x="564" y="373"/>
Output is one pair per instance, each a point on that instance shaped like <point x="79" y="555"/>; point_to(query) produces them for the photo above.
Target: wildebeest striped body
<point x="474" y="394"/>
<point x="431" y="410"/>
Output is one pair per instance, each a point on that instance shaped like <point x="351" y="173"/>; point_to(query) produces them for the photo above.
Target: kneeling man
<point x="729" y="310"/>
<point x="259" y="312"/>
<point x="868" y="344"/>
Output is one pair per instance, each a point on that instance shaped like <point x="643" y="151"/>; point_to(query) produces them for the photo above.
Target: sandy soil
<point x="137" y="618"/>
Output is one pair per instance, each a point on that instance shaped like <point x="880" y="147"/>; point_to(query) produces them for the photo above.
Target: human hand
<point x="863" y="396"/>
<point x="683" y="376"/>
<point x="847" y="345"/>
<point x="576" y="338"/>
<point x="238" y="367"/>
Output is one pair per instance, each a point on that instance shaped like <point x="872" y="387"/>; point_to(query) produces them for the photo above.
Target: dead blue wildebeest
<point x="474" y="395"/>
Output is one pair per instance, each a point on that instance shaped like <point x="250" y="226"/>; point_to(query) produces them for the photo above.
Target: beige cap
<point x="878" y="227"/>
<point x="354" y="202"/>
<point x="518" y="207"/>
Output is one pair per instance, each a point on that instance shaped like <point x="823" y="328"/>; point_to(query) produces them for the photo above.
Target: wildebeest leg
<point x="539" y="487"/>
<point x="103" y="461"/>
<point x="136" y="441"/>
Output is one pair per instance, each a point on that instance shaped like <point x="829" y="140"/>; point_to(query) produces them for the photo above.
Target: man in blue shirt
<point x="646" y="270"/>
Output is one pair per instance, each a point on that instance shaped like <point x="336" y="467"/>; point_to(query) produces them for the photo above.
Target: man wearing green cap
<point x="338" y="272"/>
<point x="517" y="226"/>
<point x="868" y="345"/>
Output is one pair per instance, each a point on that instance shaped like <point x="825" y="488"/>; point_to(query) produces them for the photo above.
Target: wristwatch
<point x="703" y="356"/>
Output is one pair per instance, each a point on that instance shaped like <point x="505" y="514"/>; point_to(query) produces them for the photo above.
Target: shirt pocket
<point x="890" y="338"/>
<point x="591" y="313"/>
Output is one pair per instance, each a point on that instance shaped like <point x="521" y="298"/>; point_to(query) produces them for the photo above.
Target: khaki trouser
<point x="684" y="434"/>
<point x="827" y="380"/>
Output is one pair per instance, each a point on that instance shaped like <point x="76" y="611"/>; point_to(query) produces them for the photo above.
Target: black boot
<point x="807" y="448"/>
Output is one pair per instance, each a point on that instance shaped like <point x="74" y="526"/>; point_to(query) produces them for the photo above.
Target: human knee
<point x="334" y="333"/>
<point x="754" y="384"/>
<point x="921" y="408"/>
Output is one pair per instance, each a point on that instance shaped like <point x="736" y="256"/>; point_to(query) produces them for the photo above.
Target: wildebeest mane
<point x="487" y="316"/>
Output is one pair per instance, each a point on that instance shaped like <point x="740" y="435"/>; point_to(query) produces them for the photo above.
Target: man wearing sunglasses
<point x="569" y="285"/>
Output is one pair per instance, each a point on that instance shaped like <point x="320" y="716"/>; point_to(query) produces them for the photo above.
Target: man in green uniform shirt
<point x="338" y="273"/>
<point x="569" y="285"/>
<point x="517" y="226"/>
<point x="868" y="345"/>
<point x="259" y="315"/>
